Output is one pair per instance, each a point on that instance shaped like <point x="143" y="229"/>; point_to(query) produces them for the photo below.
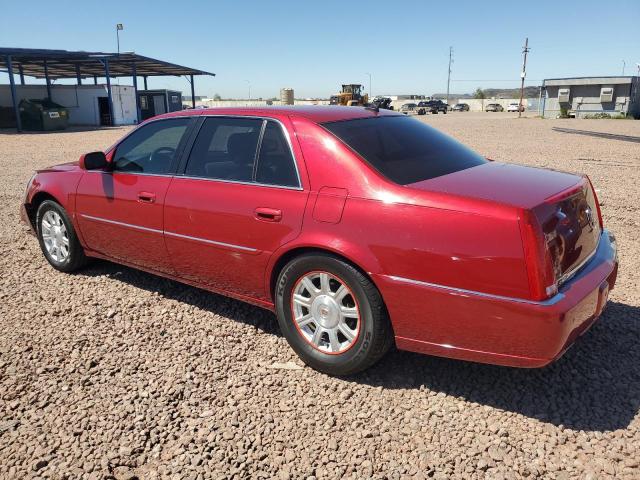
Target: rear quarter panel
<point x="391" y="230"/>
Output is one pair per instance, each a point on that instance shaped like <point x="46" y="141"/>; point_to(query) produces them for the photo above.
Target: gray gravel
<point x="114" y="373"/>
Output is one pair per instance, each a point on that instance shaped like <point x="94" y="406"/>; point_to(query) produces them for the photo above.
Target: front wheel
<point x="332" y="315"/>
<point x="58" y="239"/>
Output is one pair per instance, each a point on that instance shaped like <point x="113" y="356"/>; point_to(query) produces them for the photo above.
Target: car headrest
<point x="269" y="145"/>
<point x="241" y="146"/>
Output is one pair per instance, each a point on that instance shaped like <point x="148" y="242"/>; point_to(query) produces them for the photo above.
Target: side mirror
<point x="94" y="161"/>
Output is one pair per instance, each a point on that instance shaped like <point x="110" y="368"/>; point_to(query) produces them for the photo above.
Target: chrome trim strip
<point x="120" y="172"/>
<point x="171" y="234"/>
<point x="211" y="242"/>
<point x="121" y="224"/>
<point x="461" y="291"/>
<point x="239" y="182"/>
<point x="177" y="176"/>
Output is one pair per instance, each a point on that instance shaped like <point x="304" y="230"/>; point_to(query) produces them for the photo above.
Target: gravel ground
<point x="114" y="373"/>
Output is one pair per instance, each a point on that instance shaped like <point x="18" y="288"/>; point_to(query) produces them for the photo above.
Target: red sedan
<point x="360" y="228"/>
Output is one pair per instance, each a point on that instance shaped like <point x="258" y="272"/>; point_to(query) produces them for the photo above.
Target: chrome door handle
<point x="268" y="214"/>
<point x="146" y="197"/>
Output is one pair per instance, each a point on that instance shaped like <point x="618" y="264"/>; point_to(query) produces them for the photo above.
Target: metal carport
<point x="58" y="64"/>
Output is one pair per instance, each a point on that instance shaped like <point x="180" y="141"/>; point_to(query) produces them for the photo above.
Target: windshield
<point x="403" y="149"/>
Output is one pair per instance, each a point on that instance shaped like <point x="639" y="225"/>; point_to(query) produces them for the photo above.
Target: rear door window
<point x="276" y="165"/>
<point x="225" y="149"/>
<point x="403" y="149"/>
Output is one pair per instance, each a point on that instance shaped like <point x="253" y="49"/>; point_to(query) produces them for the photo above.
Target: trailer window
<point x="403" y="149"/>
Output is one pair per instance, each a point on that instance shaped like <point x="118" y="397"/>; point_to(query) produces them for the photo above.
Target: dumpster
<point x="43" y="115"/>
<point x="7" y="117"/>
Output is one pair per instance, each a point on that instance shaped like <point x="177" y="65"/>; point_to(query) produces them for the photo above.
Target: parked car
<point x="408" y="108"/>
<point x="515" y="107"/>
<point x="494" y="107"/>
<point x="461" y="107"/>
<point x="359" y="229"/>
<point x="432" y="106"/>
<point x="381" y="102"/>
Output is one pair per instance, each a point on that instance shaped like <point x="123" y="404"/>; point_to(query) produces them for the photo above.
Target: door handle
<point x="146" y="197"/>
<point x="268" y="214"/>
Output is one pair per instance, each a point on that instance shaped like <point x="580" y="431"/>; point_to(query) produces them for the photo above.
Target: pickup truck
<point x="432" y="106"/>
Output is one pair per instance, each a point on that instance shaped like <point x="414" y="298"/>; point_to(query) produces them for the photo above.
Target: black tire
<point x="375" y="334"/>
<point x="76" y="257"/>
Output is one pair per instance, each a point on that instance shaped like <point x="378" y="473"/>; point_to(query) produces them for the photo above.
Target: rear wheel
<point x="57" y="238"/>
<point x="332" y="315"/>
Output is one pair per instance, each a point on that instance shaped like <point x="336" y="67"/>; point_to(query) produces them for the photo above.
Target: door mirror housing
<point x="94" y="161"/>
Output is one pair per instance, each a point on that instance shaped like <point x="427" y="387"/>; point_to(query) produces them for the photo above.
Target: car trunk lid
<point x="514" y="185"/>
<point x="562" y="206"/>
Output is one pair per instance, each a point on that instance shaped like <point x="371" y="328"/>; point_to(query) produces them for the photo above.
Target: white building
<point x="87" y="104"/>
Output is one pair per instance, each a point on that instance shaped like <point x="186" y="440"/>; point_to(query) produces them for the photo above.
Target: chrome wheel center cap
<point x="57" y="235"/>
<point x="325" y="311"/>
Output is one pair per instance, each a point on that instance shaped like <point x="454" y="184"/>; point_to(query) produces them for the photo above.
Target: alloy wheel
<point x="325" y="312"/>
<point x="55" y="236"/>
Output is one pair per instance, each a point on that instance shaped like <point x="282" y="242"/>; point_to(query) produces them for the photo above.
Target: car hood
<point x="62" y="167"/>
<point x="507" y="184"/>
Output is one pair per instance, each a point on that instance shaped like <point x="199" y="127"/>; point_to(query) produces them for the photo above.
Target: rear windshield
<point x="403" y="149"/>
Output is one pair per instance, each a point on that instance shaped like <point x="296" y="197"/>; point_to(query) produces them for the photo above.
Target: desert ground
<point x="115" y="373"/>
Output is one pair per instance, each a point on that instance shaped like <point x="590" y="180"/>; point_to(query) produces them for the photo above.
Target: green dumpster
<point x="43" y="115"/>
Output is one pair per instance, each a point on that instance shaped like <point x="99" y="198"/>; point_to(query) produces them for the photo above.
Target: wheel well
<point x="32" y="208"/>
<point x="296" y="252"/>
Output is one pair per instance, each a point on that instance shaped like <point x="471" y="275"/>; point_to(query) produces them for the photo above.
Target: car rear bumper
<point x="456" y="323"/>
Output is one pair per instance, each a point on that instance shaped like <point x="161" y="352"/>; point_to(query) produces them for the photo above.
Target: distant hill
<point x="529" y="92"/>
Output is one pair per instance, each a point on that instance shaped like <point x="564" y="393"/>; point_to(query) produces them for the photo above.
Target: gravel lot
<point x="114" y="373"/>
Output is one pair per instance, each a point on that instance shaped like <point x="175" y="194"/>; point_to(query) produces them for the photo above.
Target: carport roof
<point x="67" y="64"/>
<point x="559" y="82"/>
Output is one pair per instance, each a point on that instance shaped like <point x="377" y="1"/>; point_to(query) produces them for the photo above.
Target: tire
<point x="57" y="231"/>
<point x="332" y="353"/>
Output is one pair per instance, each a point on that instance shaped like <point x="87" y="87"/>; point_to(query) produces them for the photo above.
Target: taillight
<point x="541" y="258"/>
<point x="595" y="200"/>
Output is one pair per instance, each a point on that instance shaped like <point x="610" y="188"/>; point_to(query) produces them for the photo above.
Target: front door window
<point x="151" y="149"/>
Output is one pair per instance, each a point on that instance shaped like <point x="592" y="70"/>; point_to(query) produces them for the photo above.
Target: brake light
<point x="539" y="255"/>
<point x="595" y="200"/>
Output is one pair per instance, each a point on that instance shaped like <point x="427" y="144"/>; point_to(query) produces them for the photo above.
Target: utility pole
<point x="525" y="50"/>
<point x="624" y="64"/>
<point x="449" y="74"/>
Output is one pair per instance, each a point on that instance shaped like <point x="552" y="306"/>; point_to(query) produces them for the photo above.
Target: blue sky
<point x="316" y="46"/>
